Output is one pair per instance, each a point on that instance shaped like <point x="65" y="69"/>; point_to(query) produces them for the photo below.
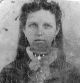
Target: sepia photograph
<point x="39" y="41"/>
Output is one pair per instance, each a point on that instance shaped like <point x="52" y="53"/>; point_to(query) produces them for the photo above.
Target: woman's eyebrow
<point x="47" y="24"/>
<point x="33" y="23"/>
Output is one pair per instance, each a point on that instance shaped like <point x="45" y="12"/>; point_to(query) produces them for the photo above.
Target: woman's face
<point x="40" y="25"/>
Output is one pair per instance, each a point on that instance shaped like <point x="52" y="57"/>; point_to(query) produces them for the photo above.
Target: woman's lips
<point x="38" y="40"/>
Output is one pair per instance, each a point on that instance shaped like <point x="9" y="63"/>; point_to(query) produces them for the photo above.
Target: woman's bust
<point x="54" y="72"/>
<point x="44" y="61"/>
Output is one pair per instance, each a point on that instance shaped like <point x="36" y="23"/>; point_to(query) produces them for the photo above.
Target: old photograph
<point x="39" y="41"/>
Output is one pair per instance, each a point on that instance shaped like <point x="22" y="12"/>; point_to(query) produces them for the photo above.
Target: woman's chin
<point x="40" y="47"/>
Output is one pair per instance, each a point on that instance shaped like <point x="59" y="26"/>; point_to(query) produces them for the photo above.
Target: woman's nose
<point x="39" y="32"/>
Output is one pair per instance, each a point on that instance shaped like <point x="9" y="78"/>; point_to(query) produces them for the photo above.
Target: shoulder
<point x="74" y="76"/>
<point x="73" y="73"/>
<point x="13" y="72"/>
<point x="9" y="74"/>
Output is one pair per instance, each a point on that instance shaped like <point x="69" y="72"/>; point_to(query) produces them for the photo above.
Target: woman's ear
<point x="24" y="31"/>
<point x="57" y="31"/>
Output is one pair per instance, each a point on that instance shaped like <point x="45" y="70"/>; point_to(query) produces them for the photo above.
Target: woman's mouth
<point x="39" y="40"/>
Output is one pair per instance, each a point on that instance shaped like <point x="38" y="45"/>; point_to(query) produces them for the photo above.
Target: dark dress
<point x="18" y="72"/>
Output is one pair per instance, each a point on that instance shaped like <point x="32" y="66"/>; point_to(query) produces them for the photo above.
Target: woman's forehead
<point x="41" y="15"/>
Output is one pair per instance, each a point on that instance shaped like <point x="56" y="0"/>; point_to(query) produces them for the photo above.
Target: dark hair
<point x="36" y="5"/>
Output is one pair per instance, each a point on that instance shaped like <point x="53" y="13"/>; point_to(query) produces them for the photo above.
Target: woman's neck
<point x="44" y="60"/>
<point x="48" y="59"/>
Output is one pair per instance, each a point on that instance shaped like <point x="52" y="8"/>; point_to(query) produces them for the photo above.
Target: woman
<point x="40" y="56"/>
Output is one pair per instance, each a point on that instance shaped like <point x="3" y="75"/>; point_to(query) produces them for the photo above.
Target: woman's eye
<point x="47" y="26"/>
<point x="33" y="25"/>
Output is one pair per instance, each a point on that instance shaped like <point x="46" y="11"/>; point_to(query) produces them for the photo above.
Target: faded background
<point x="9" y="26"/>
